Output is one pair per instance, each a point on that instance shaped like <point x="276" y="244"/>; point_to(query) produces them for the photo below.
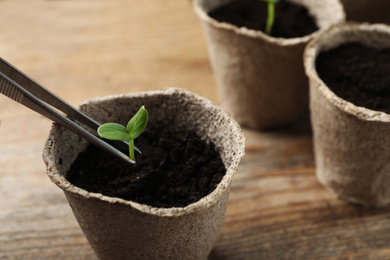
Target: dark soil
<point x="175" y="169"/>
<point x="358" y="74"/>
<point x="291" y="20"/>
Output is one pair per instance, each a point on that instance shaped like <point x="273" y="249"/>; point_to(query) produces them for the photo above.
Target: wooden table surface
<point x="82" y="49"/>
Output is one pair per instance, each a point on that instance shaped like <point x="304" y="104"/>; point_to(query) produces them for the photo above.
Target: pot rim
<point x="203" y="203"/>
<point x="256" y="34"/>
<point x="320" y="43"/>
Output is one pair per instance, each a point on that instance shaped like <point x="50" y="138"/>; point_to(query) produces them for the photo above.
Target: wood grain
<point x="83" y="49"/>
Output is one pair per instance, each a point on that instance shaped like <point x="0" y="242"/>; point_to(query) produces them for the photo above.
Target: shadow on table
<point x="300" y="128"/>
<point x="215" y="256"/>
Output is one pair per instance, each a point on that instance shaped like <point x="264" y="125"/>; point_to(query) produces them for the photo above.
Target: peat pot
<point x="351" y="143"/>
<point x="261" y="79"/>
<point x="121" y="229"/>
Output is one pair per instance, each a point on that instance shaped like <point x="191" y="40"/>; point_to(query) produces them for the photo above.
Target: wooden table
<point x="83" y="49"/>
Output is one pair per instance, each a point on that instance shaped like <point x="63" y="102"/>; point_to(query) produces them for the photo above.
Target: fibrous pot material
<point x="351" y="143"/>
<point x="120" y="229"/>
<point x="261" y="79"/>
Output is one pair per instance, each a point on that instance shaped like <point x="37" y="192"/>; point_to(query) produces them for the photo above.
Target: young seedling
<point x="271" y="15"/>
<point x="134" y="128"/>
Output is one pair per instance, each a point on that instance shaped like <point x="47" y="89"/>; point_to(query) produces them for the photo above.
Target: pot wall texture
<point x="351" y="143"/>
<point x="261" y="79"/>
<point x="120" y="229"/>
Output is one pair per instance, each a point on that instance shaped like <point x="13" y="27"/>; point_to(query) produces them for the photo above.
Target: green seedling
<point x="134" y="128"/>
<point x="271" y="15"/>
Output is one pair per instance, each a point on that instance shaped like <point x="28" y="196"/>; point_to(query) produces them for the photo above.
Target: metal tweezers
<point x="36" y="97"/>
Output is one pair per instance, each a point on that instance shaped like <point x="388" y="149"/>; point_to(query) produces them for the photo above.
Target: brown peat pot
<point x="351" y="142"/>
<point x="261" y="79"/>
<point x="123" y="229"/>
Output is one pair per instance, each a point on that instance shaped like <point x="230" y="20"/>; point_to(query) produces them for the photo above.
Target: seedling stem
<point x="271" y="15"/>
<point x="134" y="128"/>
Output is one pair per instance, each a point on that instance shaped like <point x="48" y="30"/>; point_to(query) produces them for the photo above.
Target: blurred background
<point x="79" y="50"/>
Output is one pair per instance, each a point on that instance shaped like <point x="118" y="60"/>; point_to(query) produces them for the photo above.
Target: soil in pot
<point x="358" y="74"/>
<point x="291" y="20"/>
<point x="175" y="169"/>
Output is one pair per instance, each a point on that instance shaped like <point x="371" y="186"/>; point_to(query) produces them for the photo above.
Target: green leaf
<point x="137" y="123"/>
<point x="114" y="131"/>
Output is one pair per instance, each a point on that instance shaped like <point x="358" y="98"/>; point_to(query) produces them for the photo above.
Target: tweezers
<point x="38" y="98"/>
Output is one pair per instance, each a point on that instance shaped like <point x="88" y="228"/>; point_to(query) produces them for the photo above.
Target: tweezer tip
<point x="128" y="159"/>
<point x="138" y="150"/>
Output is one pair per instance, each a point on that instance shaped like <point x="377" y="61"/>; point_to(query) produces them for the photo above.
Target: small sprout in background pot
<point x="134" y="128"/>
<point x="271" y="15"/>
